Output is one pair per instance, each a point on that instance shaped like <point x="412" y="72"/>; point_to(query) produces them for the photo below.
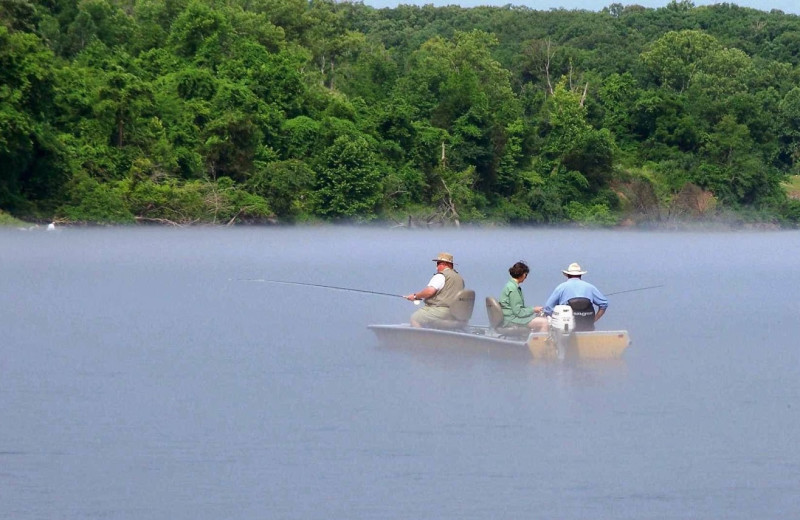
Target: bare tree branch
<point x="549" y="55"/>
<point x="159" y="220"/>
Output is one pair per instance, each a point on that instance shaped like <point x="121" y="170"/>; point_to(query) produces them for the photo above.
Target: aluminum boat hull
<point x="540" y="345"/>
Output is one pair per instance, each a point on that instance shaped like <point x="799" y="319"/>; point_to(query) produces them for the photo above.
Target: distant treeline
<point x="229" y="111"/>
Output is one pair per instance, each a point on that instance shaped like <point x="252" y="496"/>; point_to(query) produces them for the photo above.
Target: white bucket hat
<point x="574" y="269"/>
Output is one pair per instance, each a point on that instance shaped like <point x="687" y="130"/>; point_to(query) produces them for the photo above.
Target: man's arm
<point x="435" y="285"/>
<point x="423" y="294"/>
<point x="601" y="301"/>
<point x="552" y="301"/>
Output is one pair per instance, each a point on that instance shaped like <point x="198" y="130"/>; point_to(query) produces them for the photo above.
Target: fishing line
<point x="632" y="290"/>
<point x="349" y="289"/>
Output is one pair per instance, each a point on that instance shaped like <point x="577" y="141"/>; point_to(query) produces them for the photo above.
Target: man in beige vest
<point x="440" y="291"/>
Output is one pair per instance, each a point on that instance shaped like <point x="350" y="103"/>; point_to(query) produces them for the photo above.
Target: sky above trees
<point x="787" y="6"/>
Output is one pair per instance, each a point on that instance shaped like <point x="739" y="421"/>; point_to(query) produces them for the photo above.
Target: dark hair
<point x="518" y="269"/>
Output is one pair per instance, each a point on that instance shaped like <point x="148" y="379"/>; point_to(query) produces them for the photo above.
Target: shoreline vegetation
<point x="287" y="112"/>
<point x="9" y="221"/>
<point x="714" y="224"/>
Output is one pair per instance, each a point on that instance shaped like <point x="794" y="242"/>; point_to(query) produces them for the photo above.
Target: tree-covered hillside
<point x="182" y="111"/>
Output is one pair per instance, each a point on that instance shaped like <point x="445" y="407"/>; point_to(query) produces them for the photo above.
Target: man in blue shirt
<point x="579" y="295"/>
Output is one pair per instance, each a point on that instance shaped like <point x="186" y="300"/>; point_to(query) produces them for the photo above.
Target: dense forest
<point x="250" y="111"/>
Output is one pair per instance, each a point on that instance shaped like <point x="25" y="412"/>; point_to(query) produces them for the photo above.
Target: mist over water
<point x="141" y="377"/>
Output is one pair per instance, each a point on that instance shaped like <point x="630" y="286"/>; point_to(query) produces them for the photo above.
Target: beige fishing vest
<point x="452" y="284"/>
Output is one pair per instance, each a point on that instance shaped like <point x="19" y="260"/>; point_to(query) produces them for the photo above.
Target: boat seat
<point x="495" y="313"/>
<point x="583" y="311"/>
<point x="461" y="308"/>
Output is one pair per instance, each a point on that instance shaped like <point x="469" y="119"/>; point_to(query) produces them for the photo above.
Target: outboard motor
<point x="562" y="319"/>
<point x="562" y="324"/>
<point x="583" y="311"/>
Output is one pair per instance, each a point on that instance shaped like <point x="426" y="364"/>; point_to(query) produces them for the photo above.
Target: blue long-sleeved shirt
<point x="574" y="288"/>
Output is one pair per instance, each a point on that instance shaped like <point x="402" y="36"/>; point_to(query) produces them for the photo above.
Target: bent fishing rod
<point x="348" y="289"/>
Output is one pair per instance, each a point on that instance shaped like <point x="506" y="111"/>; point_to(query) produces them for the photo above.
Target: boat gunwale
<point x="477" y="335"/>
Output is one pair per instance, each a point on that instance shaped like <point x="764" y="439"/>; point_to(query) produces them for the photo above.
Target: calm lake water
<point x="142" y="378"/>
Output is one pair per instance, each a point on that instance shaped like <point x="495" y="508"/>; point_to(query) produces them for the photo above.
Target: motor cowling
<point x="562" y="319"/>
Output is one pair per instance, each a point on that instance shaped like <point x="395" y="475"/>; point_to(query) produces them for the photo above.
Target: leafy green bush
<point x="790" y="212"/>
<point x="195" y="201"/>
<point x="348" y="182"/>
<point x="8" y="220"/>
<point x="286" y="186"/>
<point x="92" y="201"/>
<point x="594" y="215"/>
<point x="168" y="201"/>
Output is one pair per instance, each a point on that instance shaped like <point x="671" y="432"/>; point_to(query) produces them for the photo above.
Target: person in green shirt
<point x="515" y="313"/>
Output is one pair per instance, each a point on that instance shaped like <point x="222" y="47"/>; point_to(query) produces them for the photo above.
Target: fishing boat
<point x="561" y="342"/>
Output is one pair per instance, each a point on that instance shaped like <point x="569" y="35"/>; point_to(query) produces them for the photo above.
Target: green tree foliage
<point x="678" y="56"/>
<point x="94" y="201"/>
<point x="201" y="33"/>
<point x="31" y="154"/>
<point x="232" y="138"/>
<point x="169" y="202"/>
<point x="287" y="186"/>
<point x="153" y="21"/>
<point x="789" y="108"/>
<point x="733" y="172"/>
<point x="348" y="180"/>
<point x="182" y="111"/>
<point x="617" y="97"/>
<point x="573" y="144"/>
<point x="457" y="86"/>
<point x="18" y="15"/>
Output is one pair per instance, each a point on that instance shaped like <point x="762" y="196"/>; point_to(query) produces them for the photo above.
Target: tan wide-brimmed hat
<point x="444" y="257"/>
<point x="574" y="269"/>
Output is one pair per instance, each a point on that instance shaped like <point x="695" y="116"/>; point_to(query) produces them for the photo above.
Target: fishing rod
<point x="261" y="280"/>
<point x="350" y="289"/>
<point x="632" y="290"/>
